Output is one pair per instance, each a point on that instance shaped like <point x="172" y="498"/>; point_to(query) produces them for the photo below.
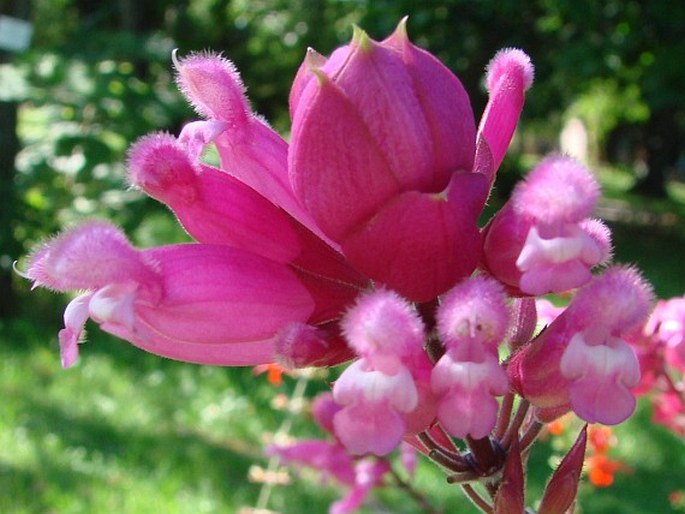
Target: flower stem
<point x="477" y="499"/>
<point x="418" y="497"/>
<point x="267" y="487"/>
<point x="516" y="423"/>
<point x="530" y="435"/>
<point x="504" y="415"/>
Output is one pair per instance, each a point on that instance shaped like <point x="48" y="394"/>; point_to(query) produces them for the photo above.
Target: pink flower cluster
<point x="359" y="240"/>
<point x="660" y="346"/>
<point x="330" y="458"/>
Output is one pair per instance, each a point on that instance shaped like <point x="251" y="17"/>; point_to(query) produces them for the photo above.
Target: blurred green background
<point x="127" y="432"/>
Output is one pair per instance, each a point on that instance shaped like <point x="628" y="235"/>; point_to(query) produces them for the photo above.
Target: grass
<point x="131" y="433"/>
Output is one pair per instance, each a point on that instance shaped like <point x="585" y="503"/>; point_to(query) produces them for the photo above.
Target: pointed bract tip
<point x="511" y="62"/>
<point x="361" y="39"/>
<point x="510" y="495"/>
<point x="562" y="488"/>
<point x="321" y="77"/>
<point x="313" y="59"/>
<point x="401" y="30"/>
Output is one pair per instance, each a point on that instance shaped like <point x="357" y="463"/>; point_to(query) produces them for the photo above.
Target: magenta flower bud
<point x="524" y="322"/>
<point x="562" y="488"/>
<point x="510" y="494"/>
<point x="509" y="76"/>
<point x="581" y="361"/>
<point x="368" y="125"/>
<point x="542" y="240"/>
<point x="179" y="301"/>
<point x="300" y="345"/>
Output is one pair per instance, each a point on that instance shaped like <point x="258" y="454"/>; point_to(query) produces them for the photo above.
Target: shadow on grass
<point x="76" y="454"/>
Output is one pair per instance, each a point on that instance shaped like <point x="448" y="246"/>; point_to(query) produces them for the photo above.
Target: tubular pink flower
<point x="667" y="326"/>
<point x="542" y="241"/>
<point x="216" y="208"/>
<point x="179" y="301"/>
<point x="581" y="361"/>
<point x="392" y="375"/>
<point x="249" y="149"/>
<point x="327" y="457"/>
<point x="472" y="319"/>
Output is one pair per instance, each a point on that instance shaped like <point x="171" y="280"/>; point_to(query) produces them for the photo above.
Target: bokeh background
<point x="127" y="432"/>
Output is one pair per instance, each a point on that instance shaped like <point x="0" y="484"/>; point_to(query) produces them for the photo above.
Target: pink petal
<point x="217" y="294"/>
<point x="369" y="428"/>
<point x="601" y="377"/>
<point x="421" y="244"/>
<point x="377" y="83"/>
<point x="357" y="384"/>
<point x="256" y="155"/>
<point x="325" y="173"/>
<point x="233" y="353"/>
<point x="445" y="105"/>
<point x="75" y="316"/>
<point x="466" y="390"/>
<point x="312" y="61"/>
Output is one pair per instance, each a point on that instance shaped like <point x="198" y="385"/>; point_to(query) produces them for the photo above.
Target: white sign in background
<point x="15" y="34"/>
